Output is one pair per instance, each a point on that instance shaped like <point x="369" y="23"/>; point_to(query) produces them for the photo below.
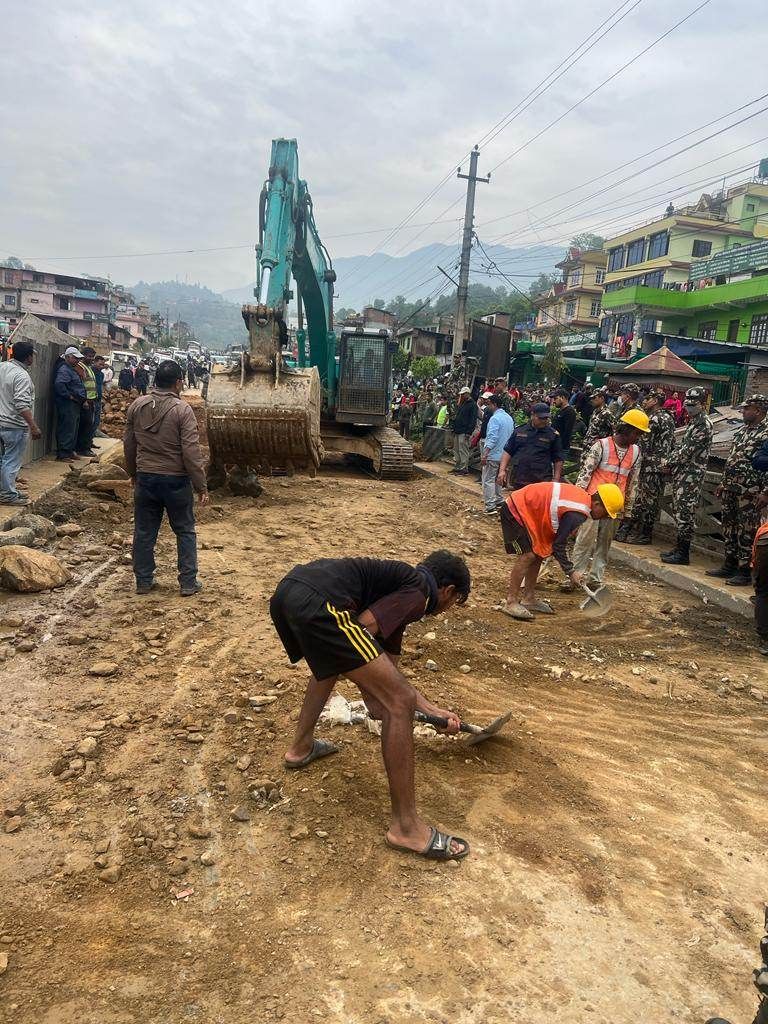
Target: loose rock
<point x="302" y="832"/>
<point x="207" y="858"/>
<point x="198" y="831"/>
<point x="21" y="535"/>
<point x="3" y="962"/>
<point x="88" y="747"/>
<point x="28" y="571"/>
<point x="465" y="669"/>
<point x="430" y="666"/>
<point x="69" y="529"/>
<point x="240" y="813"/>
<point x="103" y="668"/>
<point x="111" y="874"/>
<point x="232" y="716"/>
<point x="13" y="824"/>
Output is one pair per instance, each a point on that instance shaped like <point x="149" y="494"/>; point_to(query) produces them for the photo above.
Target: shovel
<point x="597" y="602"/>
<point x="478" y="733"/>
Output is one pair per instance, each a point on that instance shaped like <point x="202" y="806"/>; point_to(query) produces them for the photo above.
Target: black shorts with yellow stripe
<point x="330" y="639"/>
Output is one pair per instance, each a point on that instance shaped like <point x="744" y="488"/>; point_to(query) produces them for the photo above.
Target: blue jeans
<point x="154" y="494"/>
<point x="67" y="424"/>
<point x="13" y="443"/>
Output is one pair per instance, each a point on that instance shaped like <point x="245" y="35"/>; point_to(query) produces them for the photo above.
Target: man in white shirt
<point x="17" y="399"/>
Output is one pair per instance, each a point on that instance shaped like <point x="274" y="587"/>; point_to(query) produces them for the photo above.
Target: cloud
<point x="137" y="127"/>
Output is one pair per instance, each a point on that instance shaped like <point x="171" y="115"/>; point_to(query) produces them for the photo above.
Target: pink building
<point x="135" y="318"/>
<point x="79" y="306"/>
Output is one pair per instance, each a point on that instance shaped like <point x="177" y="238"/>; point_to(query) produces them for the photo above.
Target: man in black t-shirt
<point x="347" y="616"/>
<point x="564" y="419"/>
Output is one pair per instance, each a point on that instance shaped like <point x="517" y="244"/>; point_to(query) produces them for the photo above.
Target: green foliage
<point x="542" y="284"/>
<point x="552" y="362"/>
<point x="214" y="321"/>
<point x="425" y="366"/>
<point x="379" y="303"/>
<point x="587" y="240"/>
<point x="400" y="359"/>
<point x="481" y="300"/>
<point x="13" y="263"/>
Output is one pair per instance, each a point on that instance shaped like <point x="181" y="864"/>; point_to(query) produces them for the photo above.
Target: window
<point x="574" y="279"/>
<point x="701" y="248"/>
<point x="658" y="245"/>
<point x="682" y="331"/>
<point x="37" y="277"/>
<point x="647" y="326"/>
<point x="635" y="252"/>
<point x="65" y="303"/>
<point x="9" y="300"/>
<point x="8" y="276"/>
<point x="63" y="326"/>
<point x="655" y="279"/>
<point x="708" y="330"/>
<point x="733" y="330"/>
<point x="594" y="309"/>
<point x="749" y="207"/>
<point x="758" y="332"/>
<point x="570" y="310"/>
<point x="599" y="276"/>
<point x="616" y="258"/>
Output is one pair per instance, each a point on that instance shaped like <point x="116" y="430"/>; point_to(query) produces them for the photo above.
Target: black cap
<point x="541" y="409"/>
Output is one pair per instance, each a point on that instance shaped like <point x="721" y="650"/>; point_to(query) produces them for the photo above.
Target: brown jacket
<point x="161" y="436"/>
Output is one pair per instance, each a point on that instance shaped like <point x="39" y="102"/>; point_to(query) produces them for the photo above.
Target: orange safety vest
<point x="540" y="506"/>
<point x="762" y="531"/>
<point x="611" y="469"/>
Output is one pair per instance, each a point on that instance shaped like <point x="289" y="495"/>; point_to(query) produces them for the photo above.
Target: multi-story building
<point x="79" y="306"/>
<point x="136" y="319"/>
<point x="422" y="341"/>
<point x="573" y="306"/>
<point x="659" y="255"/>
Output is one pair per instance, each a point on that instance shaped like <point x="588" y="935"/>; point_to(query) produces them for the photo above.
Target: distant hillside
<point x="215" y="320"/>
<point x="363" y="279"/>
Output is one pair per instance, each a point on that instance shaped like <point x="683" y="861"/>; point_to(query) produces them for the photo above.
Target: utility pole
<point x="466" y="249"/>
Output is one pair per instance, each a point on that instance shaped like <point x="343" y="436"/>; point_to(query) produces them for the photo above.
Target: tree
<point x="400" y="359"/>
<point x="425" y="366"/>
<point x="379" y="303"/>
<point x="552" y="363"/>
<point x="13" y="263"/>
<point x="586" y="240"/>
<point x="542" y="284"/>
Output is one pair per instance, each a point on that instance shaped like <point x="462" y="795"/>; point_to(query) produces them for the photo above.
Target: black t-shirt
<point x="564" y="421"/>
<point x="394" y="592"/>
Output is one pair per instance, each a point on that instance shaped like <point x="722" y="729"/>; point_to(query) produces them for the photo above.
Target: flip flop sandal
<point x="438" y="847"/>
<point x="519" y="612"/>
<point x="542" y="607"/>
<point x="320" y="748"/>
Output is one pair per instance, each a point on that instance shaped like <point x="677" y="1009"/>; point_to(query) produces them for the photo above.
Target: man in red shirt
<point x="347" y="617"/>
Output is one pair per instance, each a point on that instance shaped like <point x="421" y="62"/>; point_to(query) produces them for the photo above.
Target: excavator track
<point x="395" y="460"/>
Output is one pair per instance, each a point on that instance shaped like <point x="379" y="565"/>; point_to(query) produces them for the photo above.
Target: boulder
<point x="42" y="527"/>
<point x="102" y="471"/>
<point x="27" y="570"/>
<point x="21" y="535"/>
<point x="120" y="488"/>
<point x="69" y="529"/>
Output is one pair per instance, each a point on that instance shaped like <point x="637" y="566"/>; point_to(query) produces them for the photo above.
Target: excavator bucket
<point x="263" y="417"/>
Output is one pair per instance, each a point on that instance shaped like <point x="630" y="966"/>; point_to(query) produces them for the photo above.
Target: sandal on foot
<point x="320" y="748"/>
<point x="542" y="607"/>
<point x="438" y="847"/>
<point x="517" y="611"/>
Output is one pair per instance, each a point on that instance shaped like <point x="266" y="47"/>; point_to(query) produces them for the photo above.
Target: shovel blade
<point x="490" y="730"/>
<point x="597" y="602"/>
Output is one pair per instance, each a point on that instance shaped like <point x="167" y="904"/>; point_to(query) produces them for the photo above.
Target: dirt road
<point x="618" y="830"/>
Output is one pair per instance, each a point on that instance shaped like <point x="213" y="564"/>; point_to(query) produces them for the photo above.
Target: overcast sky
<point x="140" y="126"/>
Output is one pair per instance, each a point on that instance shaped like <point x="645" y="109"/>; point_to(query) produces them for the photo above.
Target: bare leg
<point x="529" y="583"/>
<point x="315" y="699"/>
<point x="524" y="565"/>
<point x="392" y="695"/>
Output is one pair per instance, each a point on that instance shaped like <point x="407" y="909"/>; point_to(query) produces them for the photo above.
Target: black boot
<point x="644" y="535"/>
<point x="622" y="534"/>
<point x="726" y="570"/>
<point x="741" y="578"/>
<point x="680" y="556"/>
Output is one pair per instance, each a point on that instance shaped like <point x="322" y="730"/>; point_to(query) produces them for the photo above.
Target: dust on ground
<point x="618" y="828"/>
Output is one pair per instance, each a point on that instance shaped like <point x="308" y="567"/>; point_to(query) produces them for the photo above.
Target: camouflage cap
<point x="601" y="391"/>
<point x="657" y="393"/>
<point x="696" y="394"/>
<point x="759" y="400"/>
<point x="630" y="388"/>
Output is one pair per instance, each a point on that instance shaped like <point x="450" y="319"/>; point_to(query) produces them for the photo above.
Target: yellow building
<point x="573" y="306"/>
<point x="659" y="254"/>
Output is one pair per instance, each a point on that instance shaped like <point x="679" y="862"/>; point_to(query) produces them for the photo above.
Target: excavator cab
<point x="365" y="370"/>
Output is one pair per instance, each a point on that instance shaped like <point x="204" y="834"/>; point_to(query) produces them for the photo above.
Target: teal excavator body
<point x="264" y="416"/>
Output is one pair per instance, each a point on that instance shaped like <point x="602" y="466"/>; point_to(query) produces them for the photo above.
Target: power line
<point x="602" y="84"/>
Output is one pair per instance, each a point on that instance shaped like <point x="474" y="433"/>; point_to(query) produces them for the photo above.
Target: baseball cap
<point x="466" y="391"/>
<point x="760" y="400"/>
<point x="72" y="351"/>
<point x="487" y="394"/>
<point x="658" y="394"/>
<point x="541" y="409"/>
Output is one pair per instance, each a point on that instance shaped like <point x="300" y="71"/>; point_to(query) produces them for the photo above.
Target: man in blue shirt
<point x="500" y="428"/>
<point x="69" y="395"/>
<point x="535" y="451"/>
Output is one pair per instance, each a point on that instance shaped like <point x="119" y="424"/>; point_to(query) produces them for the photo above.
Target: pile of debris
<point x="113" y="409"/>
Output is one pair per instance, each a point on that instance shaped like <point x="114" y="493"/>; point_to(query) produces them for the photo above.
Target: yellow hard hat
<point x="612" y="498"/>
<point x="637" y="418"/>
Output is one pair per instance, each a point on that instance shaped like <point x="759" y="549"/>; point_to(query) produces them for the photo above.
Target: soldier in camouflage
<point x="656" y="446"/>
<point x="687" y="465"/>
<point x="739" y="490"/>
<point x="602" y="422"/>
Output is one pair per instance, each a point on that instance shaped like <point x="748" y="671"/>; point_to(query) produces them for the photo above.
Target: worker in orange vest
<point x="610" y="460"/>
<point x="536" y="522"/>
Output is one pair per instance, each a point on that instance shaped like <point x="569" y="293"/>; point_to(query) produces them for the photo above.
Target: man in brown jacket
<point x="164" y="460"/>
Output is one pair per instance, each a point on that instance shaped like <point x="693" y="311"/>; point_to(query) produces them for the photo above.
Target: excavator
<point x="265" y="416"/>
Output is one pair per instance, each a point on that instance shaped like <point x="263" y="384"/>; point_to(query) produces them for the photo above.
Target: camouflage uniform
<point x="688" y="462"/>
<point x="655" y="447"/>
<point x="601" y="424"/>
<point x="741" y="485"/>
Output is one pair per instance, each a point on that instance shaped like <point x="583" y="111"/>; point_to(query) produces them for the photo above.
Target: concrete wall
<point x="49" y="345"/>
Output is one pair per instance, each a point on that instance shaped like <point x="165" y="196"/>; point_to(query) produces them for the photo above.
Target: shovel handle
<point x="442" y="723"/>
